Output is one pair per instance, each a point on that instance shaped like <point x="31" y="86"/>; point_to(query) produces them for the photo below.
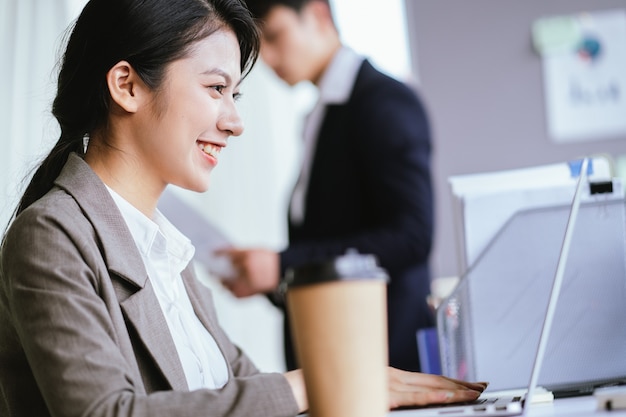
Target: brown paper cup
<point x="339" y="326"/>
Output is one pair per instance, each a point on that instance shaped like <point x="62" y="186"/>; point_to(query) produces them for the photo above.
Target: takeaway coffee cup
<point x="339" y="323"/>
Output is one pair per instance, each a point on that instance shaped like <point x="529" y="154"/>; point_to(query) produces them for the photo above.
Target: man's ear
<point x="125" y="86"/>
<point x="321" y="11"/>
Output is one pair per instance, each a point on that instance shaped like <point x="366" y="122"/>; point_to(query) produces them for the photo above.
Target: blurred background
<point x="472" y="62"/>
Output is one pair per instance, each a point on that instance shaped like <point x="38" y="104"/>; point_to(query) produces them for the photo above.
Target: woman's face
<point x="194" y="115"/>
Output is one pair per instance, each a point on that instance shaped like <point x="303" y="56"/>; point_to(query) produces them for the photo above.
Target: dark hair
<point x="260" y="8"/>
<point x="147" y="34"/>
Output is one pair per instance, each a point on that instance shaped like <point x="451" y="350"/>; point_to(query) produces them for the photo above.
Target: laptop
<point x="500" y="404"/>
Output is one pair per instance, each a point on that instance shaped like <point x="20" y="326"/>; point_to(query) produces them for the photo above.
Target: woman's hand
<point x="296" y="382"/>
<point x="406" y="389"/>
<point x="417" y="389"/>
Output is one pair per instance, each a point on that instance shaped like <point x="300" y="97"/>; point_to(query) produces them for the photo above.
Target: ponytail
<point x="43" y="178"/>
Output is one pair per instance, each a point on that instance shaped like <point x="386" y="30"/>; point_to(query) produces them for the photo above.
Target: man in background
<point x="365" y="181"/>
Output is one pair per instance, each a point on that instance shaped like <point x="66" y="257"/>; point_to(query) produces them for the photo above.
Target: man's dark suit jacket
<point x="370" y="189"/>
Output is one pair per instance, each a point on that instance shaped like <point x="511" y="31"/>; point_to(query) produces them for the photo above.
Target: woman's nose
<point x="231" y="121"/>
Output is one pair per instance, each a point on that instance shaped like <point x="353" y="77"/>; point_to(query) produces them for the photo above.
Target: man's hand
<point x="257" y="271"/>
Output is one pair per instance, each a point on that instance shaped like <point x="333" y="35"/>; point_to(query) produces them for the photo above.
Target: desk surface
<point x="566" y="407"/>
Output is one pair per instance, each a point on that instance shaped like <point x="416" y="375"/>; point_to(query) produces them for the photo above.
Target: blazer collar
<point x="118" y="248"/>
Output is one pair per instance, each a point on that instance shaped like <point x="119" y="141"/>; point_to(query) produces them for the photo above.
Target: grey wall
<point x="483" y="85"/>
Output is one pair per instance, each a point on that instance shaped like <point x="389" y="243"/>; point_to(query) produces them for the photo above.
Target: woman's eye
<point x="221" y="89"/>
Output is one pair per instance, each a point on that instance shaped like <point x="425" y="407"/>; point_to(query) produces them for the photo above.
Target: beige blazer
<point x="81" y="330"/>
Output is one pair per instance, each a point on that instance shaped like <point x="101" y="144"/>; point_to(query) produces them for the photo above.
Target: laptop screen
<point x="489" y="327"/>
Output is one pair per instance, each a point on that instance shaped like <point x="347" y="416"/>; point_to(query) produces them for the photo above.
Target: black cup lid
<point x="350" y="266"/>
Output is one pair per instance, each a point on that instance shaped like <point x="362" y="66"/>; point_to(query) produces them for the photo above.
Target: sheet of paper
<point x="204" y="234"/>
<point x="484" y="202"/>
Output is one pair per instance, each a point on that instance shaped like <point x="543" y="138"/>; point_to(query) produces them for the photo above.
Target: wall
<point x="483" y="85"/>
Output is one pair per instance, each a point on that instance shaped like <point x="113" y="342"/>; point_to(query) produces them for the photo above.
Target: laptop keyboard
<point x="481" y="404"/>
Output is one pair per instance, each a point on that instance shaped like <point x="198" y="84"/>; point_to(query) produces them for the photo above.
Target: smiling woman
<point x="101" y="312"/>
<point x="255" y="171"/>
<point x="170" y="135"/>
<point x="80" y="324"/>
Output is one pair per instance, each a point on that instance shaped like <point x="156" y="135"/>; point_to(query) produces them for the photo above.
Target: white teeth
<point x="210" y="149"/>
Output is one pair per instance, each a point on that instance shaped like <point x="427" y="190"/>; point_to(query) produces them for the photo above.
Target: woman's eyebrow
<point x="219" y="71"/>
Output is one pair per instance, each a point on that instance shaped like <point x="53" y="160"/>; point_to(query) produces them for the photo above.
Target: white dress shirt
<point x="334" y="87"/>
<point x="166" y="252"/>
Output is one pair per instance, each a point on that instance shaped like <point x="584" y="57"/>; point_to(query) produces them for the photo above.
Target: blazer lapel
<point x="143" y="311"/>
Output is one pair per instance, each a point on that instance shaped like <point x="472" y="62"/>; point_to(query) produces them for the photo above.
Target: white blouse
<point x="166" y="252"/>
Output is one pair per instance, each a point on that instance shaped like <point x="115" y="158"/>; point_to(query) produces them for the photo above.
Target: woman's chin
<point x="196" y="186"/>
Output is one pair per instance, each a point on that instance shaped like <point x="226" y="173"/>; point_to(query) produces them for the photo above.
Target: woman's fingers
<point x="417" y="389"/>
<point x="477" y="386"/>
<point x="430" y="396"/>
<point x="400" y="377"/>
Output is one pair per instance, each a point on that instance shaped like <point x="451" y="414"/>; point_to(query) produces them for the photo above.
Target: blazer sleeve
<point x="65" y="350"/>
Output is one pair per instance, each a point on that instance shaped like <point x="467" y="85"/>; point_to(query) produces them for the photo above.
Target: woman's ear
<point x="125" y="86"/>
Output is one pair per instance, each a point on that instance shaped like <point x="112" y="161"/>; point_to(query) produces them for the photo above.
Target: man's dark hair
<point x="260" y="8"/>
